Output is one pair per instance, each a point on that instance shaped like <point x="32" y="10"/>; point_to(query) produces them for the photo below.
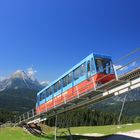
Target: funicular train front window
<point x="104" y="65"/>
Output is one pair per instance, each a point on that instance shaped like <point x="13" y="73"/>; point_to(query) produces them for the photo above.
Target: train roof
<point x="73" y="68"/>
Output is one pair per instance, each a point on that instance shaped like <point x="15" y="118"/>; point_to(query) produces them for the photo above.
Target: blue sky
<point x="54" y="35"/>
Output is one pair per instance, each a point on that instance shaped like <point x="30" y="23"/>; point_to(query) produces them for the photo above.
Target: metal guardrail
<point x="127" y="65"/>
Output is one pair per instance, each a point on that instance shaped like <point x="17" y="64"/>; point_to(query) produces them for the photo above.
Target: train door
<point x="91" y="69"/>
<point x="88" y="69"/>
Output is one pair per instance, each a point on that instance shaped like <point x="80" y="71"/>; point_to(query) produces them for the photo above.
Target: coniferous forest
<point x="88" y="117"/>
<point x="79" y="117"/>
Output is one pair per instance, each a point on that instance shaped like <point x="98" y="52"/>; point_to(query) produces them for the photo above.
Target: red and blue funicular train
<point x="95" y="69"/>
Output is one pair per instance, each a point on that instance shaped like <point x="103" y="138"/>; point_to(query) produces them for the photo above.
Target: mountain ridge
<point x="18" y="91"/>
<point x="20" y="79"/>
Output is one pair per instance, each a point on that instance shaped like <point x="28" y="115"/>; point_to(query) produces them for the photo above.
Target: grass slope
<point x="20" y="134"/>
<point x="17" y="134"/>
<point x="106" y="130"/>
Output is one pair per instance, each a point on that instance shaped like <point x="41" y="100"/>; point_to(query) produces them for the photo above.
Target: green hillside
<point x="20" y="100"/>
<point x="17" y="134"/>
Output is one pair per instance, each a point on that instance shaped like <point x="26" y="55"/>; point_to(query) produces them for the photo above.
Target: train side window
<point x="42" y="95"/>
<point x="55" y="87"/>
<point x="59" y="85"/>
<point x="69" y="78"/>
<point x="83" y="69"/>
<point x="65" y="81"/>
<point x="39" y="97"/>
<point x="51" y="90"/>
<point x="48" y="92"/>
<point x="77" y="73"/>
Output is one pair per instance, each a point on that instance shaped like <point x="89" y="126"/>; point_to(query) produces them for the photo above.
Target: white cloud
<point x="120" y="67"/>
<point x="31" y="73"/>
<point x="126" y="68"/>
<point x="133" y="64"/>
<point x="45" y="83"/>
<point x="117" y="66"/>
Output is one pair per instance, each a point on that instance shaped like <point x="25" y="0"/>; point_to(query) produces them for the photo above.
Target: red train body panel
<point x="75" y="91"/>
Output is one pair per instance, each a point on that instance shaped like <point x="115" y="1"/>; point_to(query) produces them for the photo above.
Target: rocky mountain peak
<point x="20" y="80"/>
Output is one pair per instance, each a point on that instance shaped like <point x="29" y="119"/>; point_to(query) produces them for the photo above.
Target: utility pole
<point x="55" y="127"/>
<point x="119" y="119"/>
